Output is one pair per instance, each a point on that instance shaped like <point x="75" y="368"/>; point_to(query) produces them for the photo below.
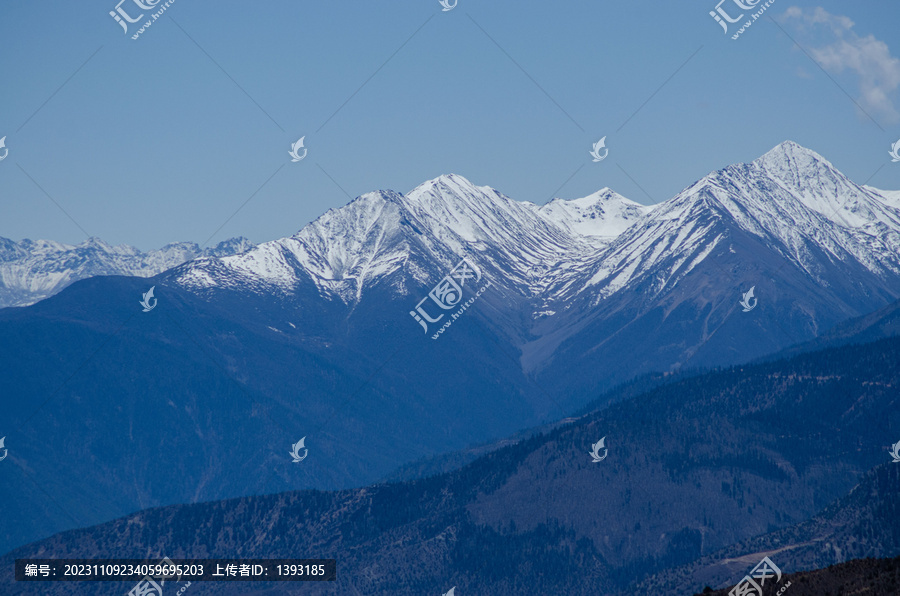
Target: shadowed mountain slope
<point x="693" y="467"/>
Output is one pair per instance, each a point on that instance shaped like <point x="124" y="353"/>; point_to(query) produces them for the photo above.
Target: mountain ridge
<point x="32" y="270"/>
<point x="551" y="251"/>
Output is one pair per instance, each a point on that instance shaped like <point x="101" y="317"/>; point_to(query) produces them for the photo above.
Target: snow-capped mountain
<point x="791" y="198"/>
<point x="557" y="268"/>
<point x="891" y="197"/>
<point x="602" y="275"/>
<point x="32" y="270"/>
<point x="386" y="236"/>
<point x="815" y="247"/>
<point x="599" y="217"/>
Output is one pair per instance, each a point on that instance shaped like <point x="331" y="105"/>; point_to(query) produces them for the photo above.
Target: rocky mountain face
<point x="688" y="469"/>
<point x="32" y="270"/>
<point x="891" y="196"/>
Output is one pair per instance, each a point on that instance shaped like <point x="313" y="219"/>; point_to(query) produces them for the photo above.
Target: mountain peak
<point x="820" y="186"/>
<point x="603" y="214"/>
<point x="454" y="183"/>
<point x="452" y="178"/>
<point x="789" y="145"/>
<point x="791" y="156"/>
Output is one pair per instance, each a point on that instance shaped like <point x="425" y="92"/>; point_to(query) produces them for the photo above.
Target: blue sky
<point x="164" y="138"/>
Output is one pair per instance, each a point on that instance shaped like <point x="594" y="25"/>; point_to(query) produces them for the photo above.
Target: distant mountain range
<point x="794" y="452"/>
<point x="32" y="270"/>
<point x="320" y="335"/>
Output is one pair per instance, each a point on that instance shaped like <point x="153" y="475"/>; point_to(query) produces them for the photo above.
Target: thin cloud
<point x="838" y="48"/>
